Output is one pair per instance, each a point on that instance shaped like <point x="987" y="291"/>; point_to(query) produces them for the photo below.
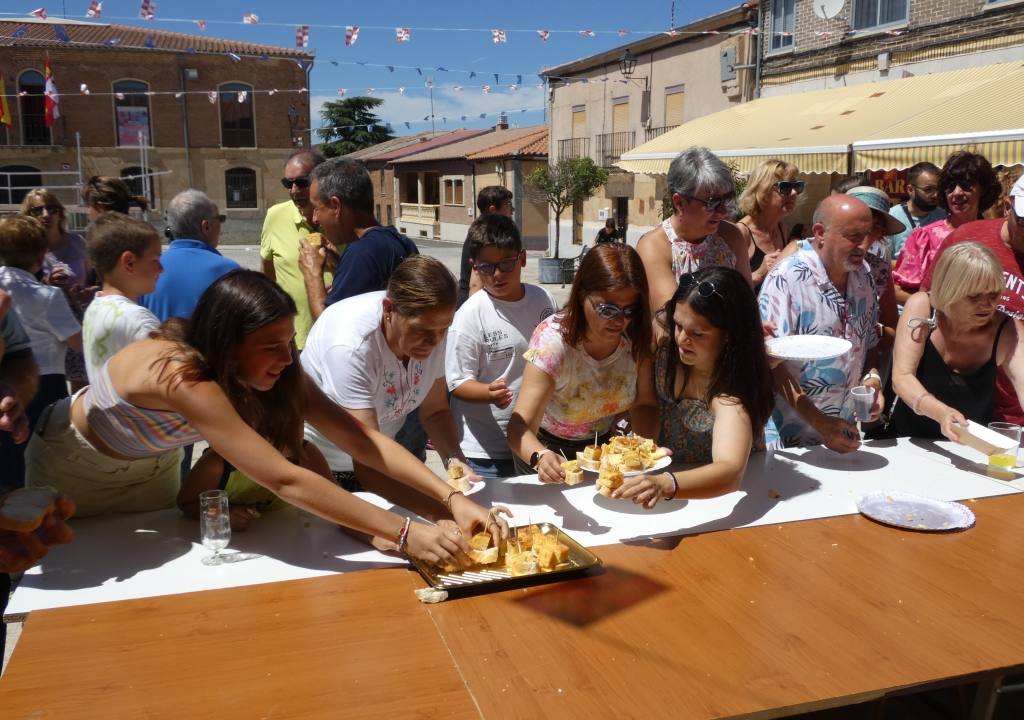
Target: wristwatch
<point x="535" y="457"/>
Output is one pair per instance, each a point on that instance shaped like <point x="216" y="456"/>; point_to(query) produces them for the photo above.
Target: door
<point x="622" y="216"/>
<point x="577" y="222"/>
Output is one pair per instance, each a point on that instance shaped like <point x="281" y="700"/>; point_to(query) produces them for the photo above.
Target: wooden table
<point x="755" y="622"/>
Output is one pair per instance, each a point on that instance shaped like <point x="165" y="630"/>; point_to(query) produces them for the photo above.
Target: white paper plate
<point x="662" y="463"/>
<point x="894" y="507"/>
<point x="808" y="347"/>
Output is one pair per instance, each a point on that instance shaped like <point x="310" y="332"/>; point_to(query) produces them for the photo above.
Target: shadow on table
<point x="572" y="518"/>
<point x="978" y="468"/>
<point x="861" y="460"/>
<point x="766" y="485"/>
<point x="594" y="598"/>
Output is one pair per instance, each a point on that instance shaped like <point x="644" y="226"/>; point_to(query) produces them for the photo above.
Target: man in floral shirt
<point x="826" y="290"/>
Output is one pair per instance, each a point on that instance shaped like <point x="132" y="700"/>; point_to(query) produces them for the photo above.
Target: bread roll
<point x="24" y="509"/>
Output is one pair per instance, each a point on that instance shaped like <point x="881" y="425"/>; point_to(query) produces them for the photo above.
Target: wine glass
<point x="214" y="524"/>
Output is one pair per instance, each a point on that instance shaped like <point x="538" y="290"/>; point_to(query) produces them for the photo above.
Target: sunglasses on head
<point x="788" y="187"/>
<point x="302" y="182"/>
<point x="611" y="311"/>
<point x="725" y="203"/>
<point x="705" y="288"/>
<point x="506" y="266"/>
<point x="38" y="210"/>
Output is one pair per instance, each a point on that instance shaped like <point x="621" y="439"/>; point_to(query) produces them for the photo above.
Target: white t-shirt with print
<point x="347" y="356"/>
<point x="45" y="314"/>
<point x="486" y="342"/>
<point x="110" y="323"/>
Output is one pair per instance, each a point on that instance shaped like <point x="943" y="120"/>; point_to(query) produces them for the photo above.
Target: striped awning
<point x="889" y="124"/>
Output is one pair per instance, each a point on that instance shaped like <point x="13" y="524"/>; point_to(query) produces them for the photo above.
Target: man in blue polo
<point x="192" y="262"/>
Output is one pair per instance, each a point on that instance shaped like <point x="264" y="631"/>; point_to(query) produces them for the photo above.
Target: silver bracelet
<point x="675" y="486"/>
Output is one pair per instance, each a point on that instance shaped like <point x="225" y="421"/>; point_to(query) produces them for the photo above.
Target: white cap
<point x="1017" y="193"/>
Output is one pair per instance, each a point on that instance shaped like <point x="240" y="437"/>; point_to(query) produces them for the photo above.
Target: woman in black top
<point x="949" y="344"/>
<point x="769" y="197"/>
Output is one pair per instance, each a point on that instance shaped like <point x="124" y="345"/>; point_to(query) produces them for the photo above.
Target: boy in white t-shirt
<point x="491" y="331"/>
<point x="126" y="254"/>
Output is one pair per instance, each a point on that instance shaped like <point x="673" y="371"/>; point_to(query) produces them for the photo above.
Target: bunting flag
<point x="243" y="95"/>
<point x="302" y="36"/>
<point x="440" y="69"/>
<point x="61" y="33"/>
<point x="483" y="115"/>
<point x="147" y="11"/>
<point x="177" y="95"/>
<point x="201" y="24"/>
<point x="463" y="118"/>
<point x="351" y="35"/>
<point x="498" y="36"/>
<point x="402" y="34"/>
<point x="429" y="83"/>
<point x="401" y="91"/>
<point x="513" y="88"/>
<point x="419" y="71"/>
<point x="369" y="91"/>
<point x="5" y="110"/>
<point x="496" y="80"/>
<point x="587" y="33"/>
<point x="407" y="125"/>
<point x="251" y="19"/>
<point x="341" y="92"/>
<point x="52" y="98"/>
<point x="544" y="34"/>
<point x="84" y="89"/>
<point x="623" y="32"/>
<point x="486" y="89"/>
<point x="119" y="95"/>
<point x="212" y="96"/>
<point x="20" y="32"/>
<point x="457" y="88"/>
<point x="95" y="9"/>
<point x="41" y="14"/>
<point x="273" y="91"/>
<point x="519" y="79"/>
<point x="235" y="57"/>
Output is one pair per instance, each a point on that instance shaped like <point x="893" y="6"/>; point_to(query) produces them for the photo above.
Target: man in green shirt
<point x="284" y="225"/>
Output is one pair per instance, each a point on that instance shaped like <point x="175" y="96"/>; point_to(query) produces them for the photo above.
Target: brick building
<point x="206" y="120"/>
<point x="386" y="202"/>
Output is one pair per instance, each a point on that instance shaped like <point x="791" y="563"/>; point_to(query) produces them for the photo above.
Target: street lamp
<point x="627" y="66"/>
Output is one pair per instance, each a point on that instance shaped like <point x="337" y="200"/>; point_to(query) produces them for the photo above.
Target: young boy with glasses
<point x="491" y="331"/>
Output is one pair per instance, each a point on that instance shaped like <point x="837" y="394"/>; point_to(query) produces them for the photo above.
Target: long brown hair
<point x="234" y="306"/>
<point x="608" y="267"/>
<point x="47" y="198"/>
<point x="108" y="194"/>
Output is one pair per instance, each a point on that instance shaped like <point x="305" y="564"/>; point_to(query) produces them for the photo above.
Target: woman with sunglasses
<point x="703" y="194"/>
<point x="967" y="186"/>
<point x="582" y="363"/>
<point x="66" y="266"/>
<point x="769" y="197"/>
<point x="711" y="384"/>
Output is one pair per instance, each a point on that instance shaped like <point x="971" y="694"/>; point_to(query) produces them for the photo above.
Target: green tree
<point x="351" y="125"/>
<point x="565" y="182"/>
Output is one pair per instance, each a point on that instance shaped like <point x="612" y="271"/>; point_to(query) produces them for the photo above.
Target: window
<point x="237" y="128"/>
<point x="134" y="178"/>
<point x="33" y="109"/>
<point x="620" y="114"/>
<point x="674" y="97"/>
<point x="579" y="121"/>
<point x="131" y="113"/>
<point x="869" y="14"/>
<point x="241" y="187"/>
<point x="383" y="187"/>
<point x="453" y="191"/>
<point x="16" y="181"/>
<point x="783" y="21"/>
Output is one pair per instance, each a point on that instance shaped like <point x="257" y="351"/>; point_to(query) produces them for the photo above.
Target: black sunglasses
<point x="787" y="187"/>
<point x="610" y="311"/>
<point x="724" y="203"/>
<point x="220" y="218"/>
<point x="506" y="266"/>
<point x="302" y="182"/>
<point x="37" y="211"/>
<point x="705" y="288"/>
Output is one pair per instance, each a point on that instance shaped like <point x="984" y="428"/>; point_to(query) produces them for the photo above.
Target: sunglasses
<point x="302" y="182"/>
<point x="506" y="266"/>
<point x="705" y="288"/>
<point x="789" y="187"/>
<point x="725" y="203"/>
<point x="220" y="218"/>
<point x="611" y="311"/>
<point x="38" y="210"/>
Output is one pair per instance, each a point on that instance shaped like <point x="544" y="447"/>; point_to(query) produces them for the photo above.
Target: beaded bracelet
<point x="448" y="500"/>
<point x="917" y="401"/>
<point x="675" y="486"/>
<point x="403" y="535"/>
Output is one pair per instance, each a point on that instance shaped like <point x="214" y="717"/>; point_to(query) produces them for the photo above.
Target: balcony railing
<point x="611" y="146"/>
<point x="416" y="213"/>
<point x="573" y="148"/>
<point x="654" y="132"/>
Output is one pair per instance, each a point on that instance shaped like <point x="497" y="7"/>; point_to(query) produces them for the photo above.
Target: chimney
<point x="502" y="122"/>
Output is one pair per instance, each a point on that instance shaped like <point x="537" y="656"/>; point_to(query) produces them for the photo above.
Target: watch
<point x="535" y="457"/>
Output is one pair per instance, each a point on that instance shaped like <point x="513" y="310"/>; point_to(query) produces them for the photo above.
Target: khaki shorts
<point x="59" y="456"/>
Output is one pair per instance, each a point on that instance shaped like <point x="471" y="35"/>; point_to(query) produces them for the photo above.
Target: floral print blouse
<point x="588" y="393"/>
<point x="688" y="257"/>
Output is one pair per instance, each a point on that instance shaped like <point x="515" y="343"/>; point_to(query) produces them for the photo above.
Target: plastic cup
<point x="862" y="399"/>
<point x="1006" y="458"/>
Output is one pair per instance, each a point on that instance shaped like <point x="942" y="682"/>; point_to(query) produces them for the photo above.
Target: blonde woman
<point x="769" y="197"/>
<point x="949" y="344"/>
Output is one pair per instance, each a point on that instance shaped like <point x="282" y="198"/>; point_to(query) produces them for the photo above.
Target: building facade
<point x="597" y="112"/>
<point x="166" y="111"/>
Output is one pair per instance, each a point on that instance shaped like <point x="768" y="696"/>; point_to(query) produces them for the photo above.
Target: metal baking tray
<point x="497" y="577"/>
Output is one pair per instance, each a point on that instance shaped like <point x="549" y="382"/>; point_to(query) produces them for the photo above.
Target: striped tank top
<point x="132" y="431"/>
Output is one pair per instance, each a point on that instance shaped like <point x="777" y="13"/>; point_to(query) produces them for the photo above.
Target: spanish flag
<point x="52" y="98"/>
<point x="5" y="110"/>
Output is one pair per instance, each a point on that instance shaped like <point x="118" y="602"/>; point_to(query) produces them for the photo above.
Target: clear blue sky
<point x="524" y="53"/>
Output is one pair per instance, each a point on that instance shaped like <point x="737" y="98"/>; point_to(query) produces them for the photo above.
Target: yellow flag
<point x="5" y="110"/>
